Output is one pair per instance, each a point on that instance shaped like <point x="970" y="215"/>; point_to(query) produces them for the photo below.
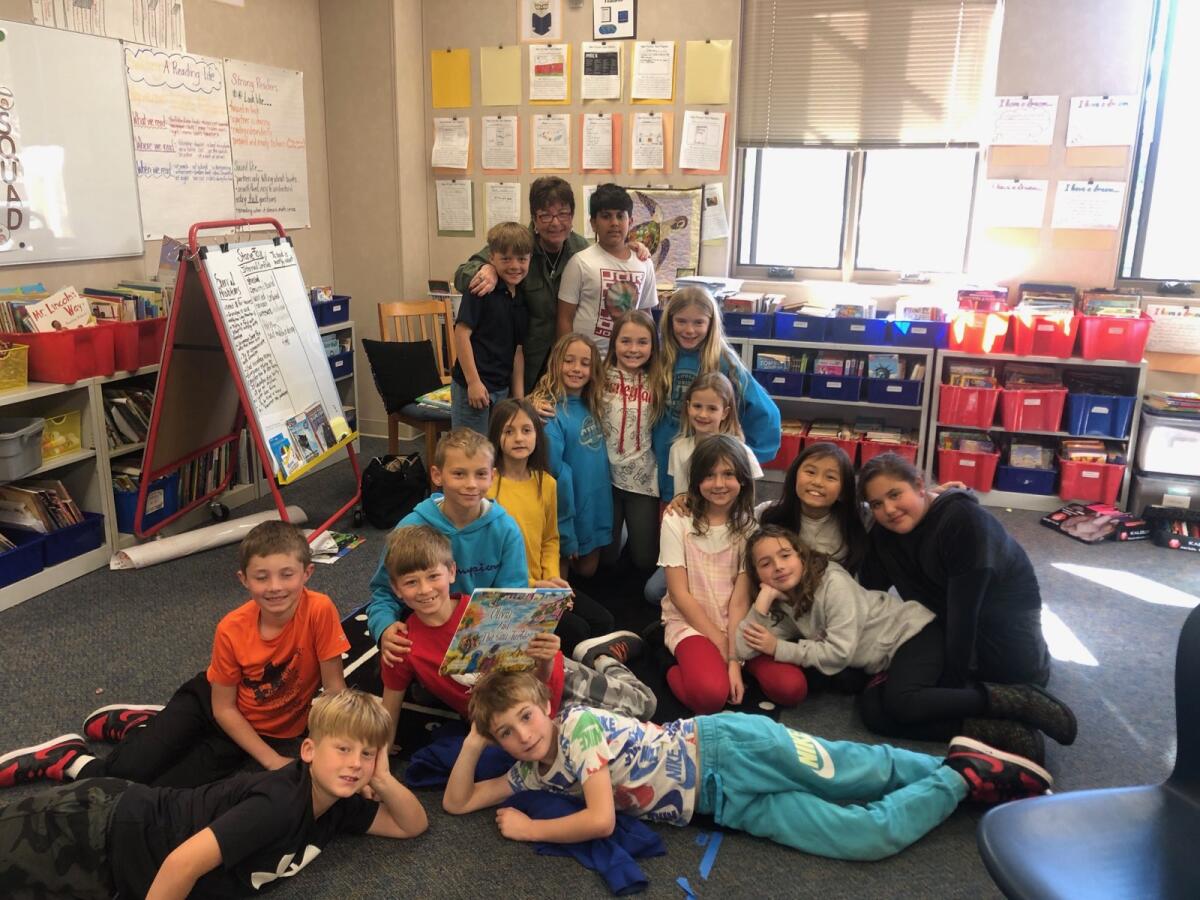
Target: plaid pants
<point x="55" y="842"/>
<point x="614" y="688"/>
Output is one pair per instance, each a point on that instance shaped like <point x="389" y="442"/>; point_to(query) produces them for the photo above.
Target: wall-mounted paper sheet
<point x="502" y="200"/>
<point x="500" y="76"/>
<point x="614" y="19"/>
<point x="551" y="141"/>
<point x="538" y="20"/>
<point x="450" y="78"/>
<point x="181" y="139"/>
<point x="703" y="138"/>
<point x="1102" y="121"/>
<point x="1088" y="204"/>
<point x="648" y="142"/>
<point x="601" y="79"/>
<point x="549" y="77"/>
<point x="1013" y="203"/>
<point x="266" y="130"/>
<point x="714" y="224"/>
<point x="451" y="143"/>
<point x="653" y="71"/>
<point x="455" y="207"/>
<point x="706" y="71"/>
<point x="500" y="143"/>
<point x="147" y="22"/>
<point x="588" y="190"/>
<point x="1024" y="121"/>
<point x="597" y="141"/>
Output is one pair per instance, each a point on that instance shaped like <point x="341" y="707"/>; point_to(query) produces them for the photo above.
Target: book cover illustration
<point x="497" y="625"/>
<point x="320" y="424"/>
<point x="304" y="439"/>
<point x="438" y="398"/>
<point x="284" y="454"/>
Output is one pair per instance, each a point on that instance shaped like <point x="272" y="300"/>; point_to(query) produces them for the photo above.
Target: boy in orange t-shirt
<point x="269" y="657"/>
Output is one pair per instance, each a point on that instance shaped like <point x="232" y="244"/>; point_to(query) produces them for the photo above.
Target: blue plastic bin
<point x="162" y="500"/>
<point x="790" y="326"/>
<point x="834" y="387"/>
<point x="903" y="333"/>
<point x="342" y="364"/>
<point x="74" y="540"/>
<point x="1101" y="415"/>
<point x="856" y="331"/>
<point x="747" y="324"/>
<point x="779" y="383"/>
<point x="27" y="559"/>
<point x="894" y="391"/>
<point x="1025" y="481"/>
<point x="332" y="312"/>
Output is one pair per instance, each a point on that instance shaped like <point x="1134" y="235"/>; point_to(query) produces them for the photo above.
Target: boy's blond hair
<point x="415" y="548"/>
<point x="352" y="715"/>
<point x="269" y="538"/>
<point x="498" y="692"/>
<point x="465" y="440"/>
<point x="510" y="239"/>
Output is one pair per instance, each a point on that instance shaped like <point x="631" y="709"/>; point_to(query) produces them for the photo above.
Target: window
<point x="1160" y="238"/>
<point x="856" y="127"/>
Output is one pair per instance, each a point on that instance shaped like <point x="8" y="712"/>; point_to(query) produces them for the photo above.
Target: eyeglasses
<point x="545" y="218"/>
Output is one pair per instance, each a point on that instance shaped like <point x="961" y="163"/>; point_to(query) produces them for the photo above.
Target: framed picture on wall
<point x="614" y="20"/>
<point x="539" y="21"/>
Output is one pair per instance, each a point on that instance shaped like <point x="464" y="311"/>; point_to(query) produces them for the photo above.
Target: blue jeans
<point x="656" y="587"/>
<point x="464" y="415"/>
<point x="831" y="798"/>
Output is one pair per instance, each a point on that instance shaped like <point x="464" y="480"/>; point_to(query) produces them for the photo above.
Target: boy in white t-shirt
<point x="605" y="281"/>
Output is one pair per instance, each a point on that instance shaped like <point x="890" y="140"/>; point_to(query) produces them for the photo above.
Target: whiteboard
<point x="264" y="307"/>
<point x="67" y="177"/>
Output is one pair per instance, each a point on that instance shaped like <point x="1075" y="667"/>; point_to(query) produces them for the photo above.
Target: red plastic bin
<point x="1032" y="409"/>
<point x="978" y="332"/>
<point x="64" y="357"/>
<point x="973" y="407"/>
<point x="975" y="470"/>
<point x="870" y="449"/>
<point x="1098" y="482"/>
<point x="850" y="445"/>
<point x="1044" y="335"/>
<point x="137" y="344"/>
<point x="789" y="446"/>
<point x="1109" y="337"/>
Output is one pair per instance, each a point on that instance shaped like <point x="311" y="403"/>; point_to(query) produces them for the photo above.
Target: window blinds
<point x="862" y="73"/>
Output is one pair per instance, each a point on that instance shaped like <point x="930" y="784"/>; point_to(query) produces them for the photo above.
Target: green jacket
<point x="540" y="290"/>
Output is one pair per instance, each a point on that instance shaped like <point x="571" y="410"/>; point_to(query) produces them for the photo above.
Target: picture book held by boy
<point x="497" y="625"/>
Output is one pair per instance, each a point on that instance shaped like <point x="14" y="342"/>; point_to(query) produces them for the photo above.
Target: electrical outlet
<point x="781" y="272"/>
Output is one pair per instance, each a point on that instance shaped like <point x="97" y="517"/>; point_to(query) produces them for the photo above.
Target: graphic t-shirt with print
<point x="605" y="288"/>
<point x="653" y="768"/>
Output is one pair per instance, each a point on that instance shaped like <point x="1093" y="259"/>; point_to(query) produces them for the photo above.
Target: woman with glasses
<point x="552" y="206"/>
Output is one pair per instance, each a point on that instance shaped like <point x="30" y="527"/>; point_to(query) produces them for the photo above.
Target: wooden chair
<point x="420" y="320"/>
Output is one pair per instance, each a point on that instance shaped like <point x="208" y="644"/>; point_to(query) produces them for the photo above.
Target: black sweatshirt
<point x="961" y="563"/>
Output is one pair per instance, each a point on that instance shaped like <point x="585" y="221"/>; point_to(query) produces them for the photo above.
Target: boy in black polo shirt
<point x="104" y="837"/>
<point x="489" y="333"/>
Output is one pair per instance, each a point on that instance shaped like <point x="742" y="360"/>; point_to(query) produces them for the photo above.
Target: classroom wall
<point x="216" y="29"/>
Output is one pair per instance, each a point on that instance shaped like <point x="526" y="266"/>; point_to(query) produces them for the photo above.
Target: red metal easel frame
<point x="245" y="414"/>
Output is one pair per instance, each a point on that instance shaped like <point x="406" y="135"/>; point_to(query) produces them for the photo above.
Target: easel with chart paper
<point x="242" y="350"/>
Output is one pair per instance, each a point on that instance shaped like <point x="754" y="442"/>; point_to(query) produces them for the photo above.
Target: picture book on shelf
<point x="304" y="439"/>
<point x="497" y="625"/>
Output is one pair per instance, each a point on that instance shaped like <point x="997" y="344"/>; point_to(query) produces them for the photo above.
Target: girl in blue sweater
<point x="693" y="343"/>
<point x="574" y="387"/>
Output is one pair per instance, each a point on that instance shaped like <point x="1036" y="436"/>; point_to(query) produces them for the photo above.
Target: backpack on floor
<point x="391" y="487"/>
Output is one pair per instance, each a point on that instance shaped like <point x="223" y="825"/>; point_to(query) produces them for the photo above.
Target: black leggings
<point x="585" y="619"/>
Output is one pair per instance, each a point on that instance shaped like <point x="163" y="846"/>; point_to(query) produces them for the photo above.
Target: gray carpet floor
<point x="135" y="636"/>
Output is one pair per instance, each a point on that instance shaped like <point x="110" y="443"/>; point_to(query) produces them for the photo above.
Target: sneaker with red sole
<point x="993" y="776"/>
<point x="620" y="645"/>
<point x="112" y="723"/>
<point x="48" y="761"/>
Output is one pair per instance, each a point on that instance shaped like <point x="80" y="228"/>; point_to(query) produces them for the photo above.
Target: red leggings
<point x="701" y="678"/>
<point x="782" y="682"/>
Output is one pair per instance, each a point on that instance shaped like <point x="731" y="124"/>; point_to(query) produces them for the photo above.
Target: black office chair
<point x="1114" y="842"/>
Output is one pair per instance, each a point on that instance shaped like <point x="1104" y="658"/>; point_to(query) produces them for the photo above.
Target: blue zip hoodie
<point x="757" y="413"/>
<point x="489" y="552"/>
<point x="579" y="463"/>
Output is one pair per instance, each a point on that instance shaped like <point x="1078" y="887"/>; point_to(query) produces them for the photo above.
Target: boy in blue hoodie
<point x="488" y="548"/>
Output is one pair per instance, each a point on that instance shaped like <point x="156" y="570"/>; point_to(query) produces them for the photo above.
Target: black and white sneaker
<point x="622" y="646"/>
<point x="993" y="776"/>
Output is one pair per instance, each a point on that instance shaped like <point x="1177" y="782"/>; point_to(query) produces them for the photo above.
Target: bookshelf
<point x="1134" y="379"/>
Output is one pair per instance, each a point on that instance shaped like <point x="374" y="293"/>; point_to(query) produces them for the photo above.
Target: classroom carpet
<point x="1114" y="612"/>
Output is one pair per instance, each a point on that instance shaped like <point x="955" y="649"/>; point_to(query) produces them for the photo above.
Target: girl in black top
<point x="980" y="666"/>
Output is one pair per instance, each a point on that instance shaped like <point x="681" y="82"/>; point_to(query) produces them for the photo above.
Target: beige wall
<point x="215" y="29"/>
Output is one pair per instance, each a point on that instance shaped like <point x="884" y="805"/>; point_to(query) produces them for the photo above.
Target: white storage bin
<point x="1171" y="491"/>
<point x="1169" y="445"/>
<point x="20" y="447"/>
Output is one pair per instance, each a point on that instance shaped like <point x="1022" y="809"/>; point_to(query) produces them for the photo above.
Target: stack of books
<point x="1110" y="303"/>
<point x="831" y="363"/>
<point x="1047" y="298"/>
<point x="1028" y="455"/>
<point x="437" y="399"/>
<point x="1092" y="381"/>
<point x="41" y="506"/>
<point x="1085" y="450"/>
<point x="966" y="441"/>
<point x="1177" y="403"/>
<point x="1031" y="375"/>
<point x="885" y="365"/>
<point x="782" y="362"/>
<point x="126" y="415"/>
<point x="983" y="299"/>
<point x="972" y="375"/>
<point x="128" y="301"/>
<point x="826" y="429"/>
<point x="745" y="301"/>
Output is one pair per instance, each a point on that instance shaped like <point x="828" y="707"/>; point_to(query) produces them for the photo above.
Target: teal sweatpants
<point x="831" y="798"/>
